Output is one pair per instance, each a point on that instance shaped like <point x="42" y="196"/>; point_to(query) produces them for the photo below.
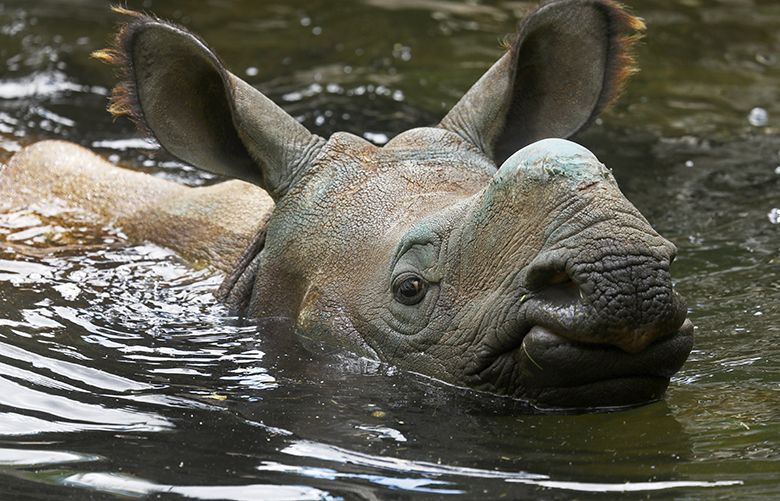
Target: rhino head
<point x="481" y="251"/>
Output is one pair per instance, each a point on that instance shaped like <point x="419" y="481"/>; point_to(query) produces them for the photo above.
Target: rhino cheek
<point x="429" y="340"/>
<point x="347" y="308"/>
<point x="325" y="324"/>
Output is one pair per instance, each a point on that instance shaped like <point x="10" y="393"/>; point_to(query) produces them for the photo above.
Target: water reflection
<point x="31" y="457"/>
<point x="129" y="486"/>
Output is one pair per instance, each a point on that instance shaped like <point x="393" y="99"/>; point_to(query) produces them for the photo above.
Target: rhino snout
<point x="623" y="299"/>
<point x="605" y="330"/>
<point x="583" y="311"/>
<point x="602" y="274"/>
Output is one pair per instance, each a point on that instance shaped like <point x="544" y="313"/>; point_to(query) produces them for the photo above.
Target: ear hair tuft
<point x="625" y="31"/>
<point x="121" y="103"/>
<point x="105" y="55"/>
<point x="507" y="42"/>
<point x="118" y="9"/>
<point x="124" y="98"/>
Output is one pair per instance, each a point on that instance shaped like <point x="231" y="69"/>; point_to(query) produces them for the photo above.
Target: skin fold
<point x="481" y="251"/>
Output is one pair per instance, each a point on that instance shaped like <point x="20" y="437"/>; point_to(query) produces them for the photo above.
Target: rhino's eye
<point x="409" y="289"/>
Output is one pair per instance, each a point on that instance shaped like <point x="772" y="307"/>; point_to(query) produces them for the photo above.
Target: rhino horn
<point x="175" y="88"/>
<point x="567" y="62"/>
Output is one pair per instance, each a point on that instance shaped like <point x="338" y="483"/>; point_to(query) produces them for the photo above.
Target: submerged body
<point x="476" y="251"/>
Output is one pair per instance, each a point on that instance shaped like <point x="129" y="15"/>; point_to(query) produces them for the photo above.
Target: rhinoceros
<point x="487" y="251"/>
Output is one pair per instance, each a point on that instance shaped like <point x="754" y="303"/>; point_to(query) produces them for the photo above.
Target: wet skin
<point x="478" y="251"/>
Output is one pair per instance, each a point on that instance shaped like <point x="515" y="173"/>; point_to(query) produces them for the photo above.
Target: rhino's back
<point x="211" y="225"/>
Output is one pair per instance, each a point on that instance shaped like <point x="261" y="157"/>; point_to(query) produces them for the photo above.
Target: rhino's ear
<point x="175" y="88"/>
<point x="569" y="59"/>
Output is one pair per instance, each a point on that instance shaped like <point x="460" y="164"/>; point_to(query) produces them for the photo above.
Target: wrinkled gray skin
<point x="477" y="251"/>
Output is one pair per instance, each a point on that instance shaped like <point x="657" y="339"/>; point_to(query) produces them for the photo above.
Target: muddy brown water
<point x="121" y="377"/>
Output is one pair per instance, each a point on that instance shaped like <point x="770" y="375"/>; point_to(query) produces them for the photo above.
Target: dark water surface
<point x="121" y="377"/>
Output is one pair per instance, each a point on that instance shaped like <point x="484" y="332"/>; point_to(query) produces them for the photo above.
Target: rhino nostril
<point x="559" y="278"/>
<point x="543" y="277"/>
<point x="554" y="286"/>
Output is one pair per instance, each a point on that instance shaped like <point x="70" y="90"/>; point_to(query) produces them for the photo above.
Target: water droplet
<point x="758" y="117"/>
<point x="376" y="137"/>
<point x="402" y="52"/>
<point x="774" y="216"/>
<point x="766" y="59"/>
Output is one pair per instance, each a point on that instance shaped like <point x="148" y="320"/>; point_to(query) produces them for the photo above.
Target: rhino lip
<point x="555" y="372"/>
<point x="577" y="363"/>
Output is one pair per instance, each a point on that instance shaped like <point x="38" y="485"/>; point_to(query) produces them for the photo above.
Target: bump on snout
<point x="550" y="160"/>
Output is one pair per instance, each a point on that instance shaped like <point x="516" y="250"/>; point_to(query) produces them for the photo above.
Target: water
<point x="121" y="377"/>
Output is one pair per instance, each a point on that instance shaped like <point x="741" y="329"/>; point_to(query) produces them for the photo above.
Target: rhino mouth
<point x="568" y="373"/>
<point x="557" y="373"/>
